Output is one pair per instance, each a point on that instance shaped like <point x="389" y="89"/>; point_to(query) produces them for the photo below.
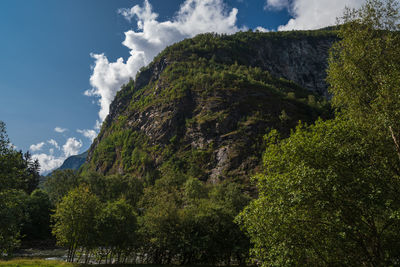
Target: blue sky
<point x="52" y="52"/>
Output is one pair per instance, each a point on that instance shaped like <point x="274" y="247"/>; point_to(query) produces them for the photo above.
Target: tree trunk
<point x="395" y="140"/>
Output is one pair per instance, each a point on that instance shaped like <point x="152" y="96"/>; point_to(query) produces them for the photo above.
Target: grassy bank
<point x="55" y="263"/>
<point x="35" y="263"/>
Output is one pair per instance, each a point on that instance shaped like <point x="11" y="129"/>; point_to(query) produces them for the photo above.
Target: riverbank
<point x="35" y="263"/>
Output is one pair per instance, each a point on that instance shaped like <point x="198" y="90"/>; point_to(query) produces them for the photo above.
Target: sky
<point x="62" y="61"/>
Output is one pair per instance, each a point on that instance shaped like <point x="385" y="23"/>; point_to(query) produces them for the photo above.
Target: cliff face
<point x="202" y="107"/>
<point x="302" y="60"/>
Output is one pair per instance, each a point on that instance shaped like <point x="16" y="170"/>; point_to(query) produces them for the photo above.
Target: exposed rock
<point x="213" y="132"/>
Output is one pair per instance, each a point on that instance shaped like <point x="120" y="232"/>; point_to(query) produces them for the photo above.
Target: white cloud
<point x="312" y="14"/>
<point x="277" y="4"/>
<point x="97" y="126"/>
<point x="91" y="134"/>
<point x="151" y="37"/>
<point x="72" y="147"/>
<point x="60" y="130"/>
<point x="36" y="147"/>
<point x="53" y="143"/>
<point x="261" y="29"/>
<point x="48" y="162"/>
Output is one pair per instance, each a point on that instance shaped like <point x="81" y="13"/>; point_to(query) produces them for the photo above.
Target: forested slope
<point x="203" y="105"/>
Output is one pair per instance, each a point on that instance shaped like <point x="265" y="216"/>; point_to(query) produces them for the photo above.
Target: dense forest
<point x="308" y="181"/>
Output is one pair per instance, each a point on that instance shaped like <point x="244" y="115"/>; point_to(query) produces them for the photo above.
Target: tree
<point x="113" y="187"/>
<point x="328" y="197"/>
<point x="37" y="223"/>
<point x="19" y="176"/>
<point x="60" y="183"/>
<point x="17" y="170"/>
<point x="364" y="67"/>
<point x="160" y="229"/>
<point x="117" y="225"/>
<point x="4" y="141"/>
<point x="12" y="214"/>
<point x="75" y="221"/>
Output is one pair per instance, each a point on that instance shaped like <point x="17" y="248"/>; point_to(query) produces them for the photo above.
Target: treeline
<point x="120" y="218"/>
<point x="24" y="209"/>
<point x="177" y="220"/>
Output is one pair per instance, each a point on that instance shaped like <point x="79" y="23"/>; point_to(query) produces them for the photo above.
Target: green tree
<point x="75" y="221"/>
<point x="113" y="187"/>
<point x="364" y="66"/>
<point x="117" y="225"/>
<point x="19" y="176"/>
<point x="12" y="214"/>
<point x="60" y="183"/>
<point x="17" y="170"/>
<point x="328" y="197"/>
<point x="37" y="223"/>
<point x="160" y="228"/>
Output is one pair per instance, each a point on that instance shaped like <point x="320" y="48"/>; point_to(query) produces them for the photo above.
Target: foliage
<point x="117" y="225"/>
<point x="114" y="187"/>
<point x="364" y="67"/>
<point x="239" y="47"/>
<point x="19" y="177"/>
<point x="17" y="170"/>
<point x="96" y="217"/>
<point x="75" y="218"/>
<point x="12" y="204"/>
<point x="37" y="223"/>
<point x="192" y="223"/>
<point x="328" y="196"/>
<point x="60" y="183"/>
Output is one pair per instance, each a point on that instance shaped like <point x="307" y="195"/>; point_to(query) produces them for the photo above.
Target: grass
<point x="55" y="263"/>
<point x="35" y="263"/>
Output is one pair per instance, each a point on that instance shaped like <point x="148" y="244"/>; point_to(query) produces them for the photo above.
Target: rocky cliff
<point x="201" y="108"/>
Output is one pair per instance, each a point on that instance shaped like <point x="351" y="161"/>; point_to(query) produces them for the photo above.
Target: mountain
<point x="74" y="162"/>
<point x="202" y="107"/>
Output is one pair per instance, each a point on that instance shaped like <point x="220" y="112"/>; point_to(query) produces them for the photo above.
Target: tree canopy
<point x="19" y="202"/>
<point x="328" y="196"/>
<point x="364" y="67"/>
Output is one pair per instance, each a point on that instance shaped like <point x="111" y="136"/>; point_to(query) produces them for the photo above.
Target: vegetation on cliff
<point x="203" y="106"/>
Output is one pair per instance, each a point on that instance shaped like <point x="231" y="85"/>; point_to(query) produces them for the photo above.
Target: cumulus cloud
<point x="311" y="14"/>
<point x="60" y="130"/>
<point x="48" y="162"/>
<point x="91" y="134"/>
<point x="53" y="143"/>
<point x="261" y="29"/>
<point x="72" y="147"/>
<point x="36" y="147"/>
<point x="151" y="37"/>
<point x="277" y="4"/>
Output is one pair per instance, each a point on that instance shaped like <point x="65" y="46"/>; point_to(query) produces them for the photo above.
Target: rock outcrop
<point x="202" y="107"/>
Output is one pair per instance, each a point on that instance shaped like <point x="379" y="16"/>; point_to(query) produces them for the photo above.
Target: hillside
<point x="202" y="107"/>
<point x="74" y="162"/>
